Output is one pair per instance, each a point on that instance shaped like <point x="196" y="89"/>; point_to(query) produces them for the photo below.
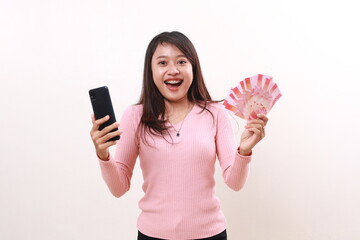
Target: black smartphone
<point x="102" y="106"/>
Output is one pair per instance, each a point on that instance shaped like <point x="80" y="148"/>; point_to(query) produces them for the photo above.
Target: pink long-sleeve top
<point x="179" y="199"/>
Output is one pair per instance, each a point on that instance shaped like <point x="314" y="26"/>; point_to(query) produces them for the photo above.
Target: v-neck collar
<point x="184" y="119"/>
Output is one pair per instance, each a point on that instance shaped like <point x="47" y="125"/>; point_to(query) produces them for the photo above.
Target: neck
<point x="176" y="111"/>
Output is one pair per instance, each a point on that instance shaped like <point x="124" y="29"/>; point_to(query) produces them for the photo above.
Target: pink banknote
<point x="253" y="95"/>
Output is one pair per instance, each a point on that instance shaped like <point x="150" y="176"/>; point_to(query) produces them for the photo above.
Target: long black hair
<point x="153" y="116"/>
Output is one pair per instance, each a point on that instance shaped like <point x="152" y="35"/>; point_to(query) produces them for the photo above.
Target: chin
<point x="176" y="99"/>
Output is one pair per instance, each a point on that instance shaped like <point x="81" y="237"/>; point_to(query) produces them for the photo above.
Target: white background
<point x="304" y="182"/>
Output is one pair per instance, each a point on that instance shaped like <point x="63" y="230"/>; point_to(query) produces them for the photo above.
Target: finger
<point x="110" y="127"/>
<point x="260" y="131"/>
<point x="108" y="136"/>
<point x="100" y="137"/>
<point x="93" y="118"/>
<point x="98" y="122"/>
<point x="258" y="126"/>
<point x="107" y="130"/>
<point x="256" y="121"/>
<point x="264" y="118"/>
<point x="263" y="135"/>
<point x="256" y="131"/>
<point x="102" y="120"/>
<point x="112" y="134"/>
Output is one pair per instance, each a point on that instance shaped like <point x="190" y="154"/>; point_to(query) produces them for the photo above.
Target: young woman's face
<point x="172" y="72"/>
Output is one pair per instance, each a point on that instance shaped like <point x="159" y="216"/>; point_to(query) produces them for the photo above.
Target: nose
<point x="173" y="69"/>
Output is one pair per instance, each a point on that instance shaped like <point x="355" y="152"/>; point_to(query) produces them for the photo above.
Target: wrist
<point x="244" y="152"/>
<point x="106" y="158"/>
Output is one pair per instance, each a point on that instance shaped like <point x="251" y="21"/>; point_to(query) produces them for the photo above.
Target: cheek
<point x="158" y="79"/>
<point x="190" y="74"/>
<point x="155" y="74"/>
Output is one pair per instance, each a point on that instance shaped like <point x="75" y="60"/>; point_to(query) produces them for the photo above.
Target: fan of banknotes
<point x="253" y="95"/>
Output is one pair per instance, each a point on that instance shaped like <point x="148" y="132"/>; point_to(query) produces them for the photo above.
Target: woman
<point x="177" y="131"/>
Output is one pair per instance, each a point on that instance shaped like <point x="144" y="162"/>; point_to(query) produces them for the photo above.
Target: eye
<point x="163" y="63"/>
<point x="182" y="62"/>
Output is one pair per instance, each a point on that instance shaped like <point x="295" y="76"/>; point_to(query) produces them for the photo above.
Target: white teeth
<point x="173" y="81"/>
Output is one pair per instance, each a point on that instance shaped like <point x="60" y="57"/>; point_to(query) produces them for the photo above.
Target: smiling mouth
<point x="174" y="82"/>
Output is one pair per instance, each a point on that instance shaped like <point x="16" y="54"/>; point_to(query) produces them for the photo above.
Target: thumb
<point x="92" y="118"/>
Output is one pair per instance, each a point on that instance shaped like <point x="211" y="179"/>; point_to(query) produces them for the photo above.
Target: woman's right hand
<point x="100" y="138"/>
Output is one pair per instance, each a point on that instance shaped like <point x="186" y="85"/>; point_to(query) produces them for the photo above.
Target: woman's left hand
<point x="254" y="132"/>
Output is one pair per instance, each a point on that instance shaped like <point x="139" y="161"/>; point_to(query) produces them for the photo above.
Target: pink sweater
<point x="179" y="201"/>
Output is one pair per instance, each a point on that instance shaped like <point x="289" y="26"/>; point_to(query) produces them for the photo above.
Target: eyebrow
<point x="163" y="56"/>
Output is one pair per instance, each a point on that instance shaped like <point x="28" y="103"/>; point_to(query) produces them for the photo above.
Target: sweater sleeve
<point x="117" y="172"/>
<point x="235" y="167"/>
